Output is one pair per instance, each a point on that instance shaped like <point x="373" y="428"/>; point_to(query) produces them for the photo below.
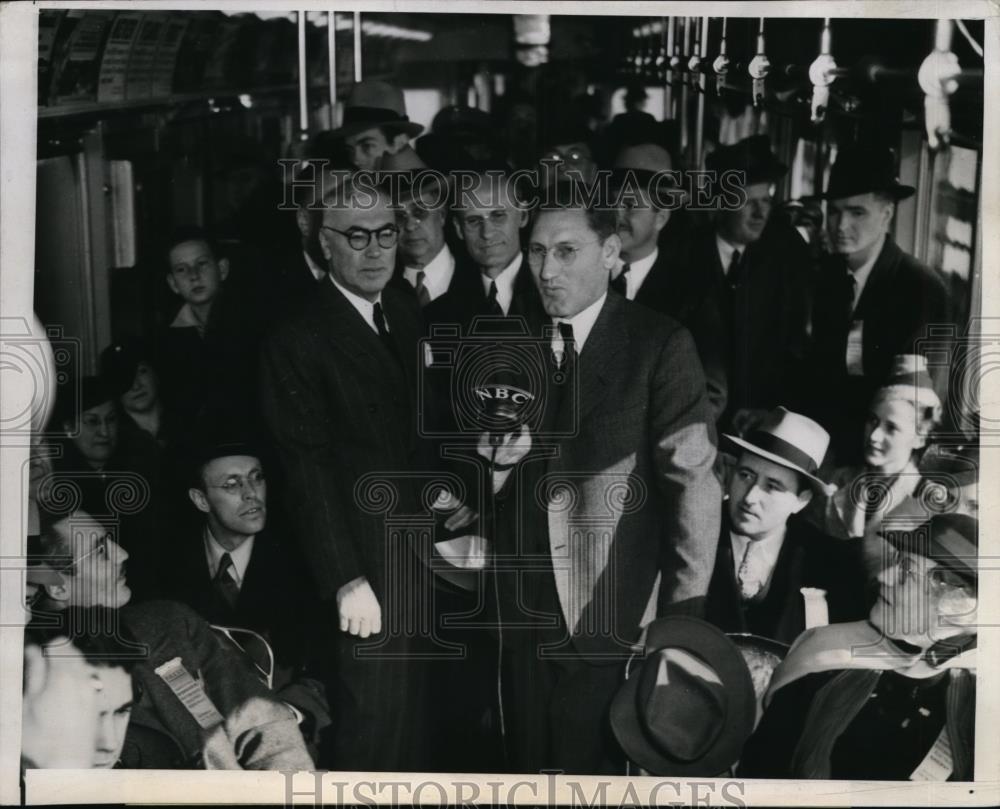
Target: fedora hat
<point x="752" y="155"/>
<point x="951" y="540"/>
<point x="690" y="708"/>
<point x="788" y="439"/>
<point x="376" y="103"/>
<point x="864" y="169"/>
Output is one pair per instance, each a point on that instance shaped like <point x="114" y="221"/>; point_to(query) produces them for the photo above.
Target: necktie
<point x="225" y="582"/>
<point x="423" y="296"/>
<point x="620" y="283"/>
<point x="491" y="300"/>
<point x="383" y="332"/>
<point x="564" y="347"/>
<point x="749" y="586"/>
<point x="850" y="290"/>
<point x="734" y="275"/>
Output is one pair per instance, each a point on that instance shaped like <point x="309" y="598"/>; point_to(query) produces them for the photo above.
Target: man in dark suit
<point x="338" y="391"/>
<point x="766" y="555"/>
<point x="609" y="520"/>
<point x="488" y="218"/>
<point x="757" y="272"/>
<point x="648" y="272"/>
<point x="235" y="573"/>
<point x="873" y="301"/>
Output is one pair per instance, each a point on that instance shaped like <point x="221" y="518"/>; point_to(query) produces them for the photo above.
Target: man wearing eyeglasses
<point x="85" y="567"/>
<point x="891" y="698"/>
<point x="617" y="506"/>
<point x="339" y="390"/>
<point x="234" y="572"/>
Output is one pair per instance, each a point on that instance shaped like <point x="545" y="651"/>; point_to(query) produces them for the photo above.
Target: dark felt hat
<point x="752" y="155"/>
<point x="863" y="169"/>
<point x="120" y="360"/>
<point x="376" y="103"/>
<point x="951" y="540"/>
<point x="690" y="707"/>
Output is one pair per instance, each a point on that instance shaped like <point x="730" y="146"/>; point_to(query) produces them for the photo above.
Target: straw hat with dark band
<point x="790" y="440"/>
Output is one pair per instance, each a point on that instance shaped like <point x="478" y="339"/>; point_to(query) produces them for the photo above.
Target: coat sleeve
<point x="299" y="416"/>
<point x="263" y="732"/>
<point x="685" y="451"/>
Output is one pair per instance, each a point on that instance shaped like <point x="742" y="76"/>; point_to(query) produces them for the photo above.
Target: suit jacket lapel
<point x="597" y="362"/>
<point x="879" y="280"/>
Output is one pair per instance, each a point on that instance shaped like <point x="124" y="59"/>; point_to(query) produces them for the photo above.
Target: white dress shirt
<point x="861" y="274"/>
<point x="504" y="282"/>
<point x="582" y="323"/>
<point x="437" y="272"/>
<point x="726" y="251"/>
<point x="763" y="557"/>
<point x="365" y="307"/>
<point x="240" y="557"/>
<point x="637" y="272"/>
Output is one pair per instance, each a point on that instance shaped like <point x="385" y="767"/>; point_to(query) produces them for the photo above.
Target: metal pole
<point x="699" y="131"/>
<point x="684" y="88"/>
<point x="357" y="46"/>
<point x="668" y="90"/>
<point x="303" y="78"/>
<point x="331" y="51"/>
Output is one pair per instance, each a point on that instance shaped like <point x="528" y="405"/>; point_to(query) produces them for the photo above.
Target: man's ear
<point x="805" y="497"/>
<point x="661" y="218"/>
<point x="327" y="254"/>
<point x="172" y="283"/>
<point x="223" y="268"/>
<point x="398" y="142"/>
<point x="197" y="497"/>
<point x="525" y="216"/>
<point x="458" y="228"/>
<point x="303" y="219"/>
<point x="611" y="249"/>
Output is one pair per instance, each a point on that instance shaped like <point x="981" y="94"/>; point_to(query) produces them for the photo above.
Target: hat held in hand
<point x="690" y="707"/>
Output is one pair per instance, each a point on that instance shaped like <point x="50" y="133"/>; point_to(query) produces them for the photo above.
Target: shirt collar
<point x="186" y="319"/>
<point x="582" y="322"/>
<point x="637" y="272"/>
<point x="437" y="273"/>
<point x="862" y="273"/>
<point x="318" y="272"/>
<point x="726" y="251"/>
<point x="505" y="283"/>
<point x="240" y="556"/>
<point x="365" y="307"/>
<point x="765" y="555"/>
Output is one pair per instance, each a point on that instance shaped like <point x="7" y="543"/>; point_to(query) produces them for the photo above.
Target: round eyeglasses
<point x="359" y="238"/>
<point x="565" y="254"/>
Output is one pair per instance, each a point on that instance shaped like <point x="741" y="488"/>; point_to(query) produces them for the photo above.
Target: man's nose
<point x="120" y="553"/>
<point x="105" y="740"/>
<point x="753" y="494"/>
<point x="374" y="249"/>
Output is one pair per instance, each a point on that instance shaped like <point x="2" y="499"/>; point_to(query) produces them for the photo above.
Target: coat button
<point x="373" y="408"/>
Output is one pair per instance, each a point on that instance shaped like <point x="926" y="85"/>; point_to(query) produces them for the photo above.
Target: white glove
<point x="360" y="613"/>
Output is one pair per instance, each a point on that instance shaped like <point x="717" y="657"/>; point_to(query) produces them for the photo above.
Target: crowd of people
<point x="493" y="485"/>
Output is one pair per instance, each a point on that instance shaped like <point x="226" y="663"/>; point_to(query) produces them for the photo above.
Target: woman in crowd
<point x="902" y="416"/>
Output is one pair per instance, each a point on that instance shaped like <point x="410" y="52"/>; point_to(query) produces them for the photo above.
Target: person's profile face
<point x="99" y="561"/>
<point x="114" y="708"/>
<point x="143" y="394"/>
<point x="569" y="261"/>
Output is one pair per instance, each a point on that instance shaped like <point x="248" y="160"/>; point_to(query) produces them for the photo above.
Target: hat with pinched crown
<point x="863" y="169"/>
<point x="791" y="440"/>
<point x="376" y="103"/>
